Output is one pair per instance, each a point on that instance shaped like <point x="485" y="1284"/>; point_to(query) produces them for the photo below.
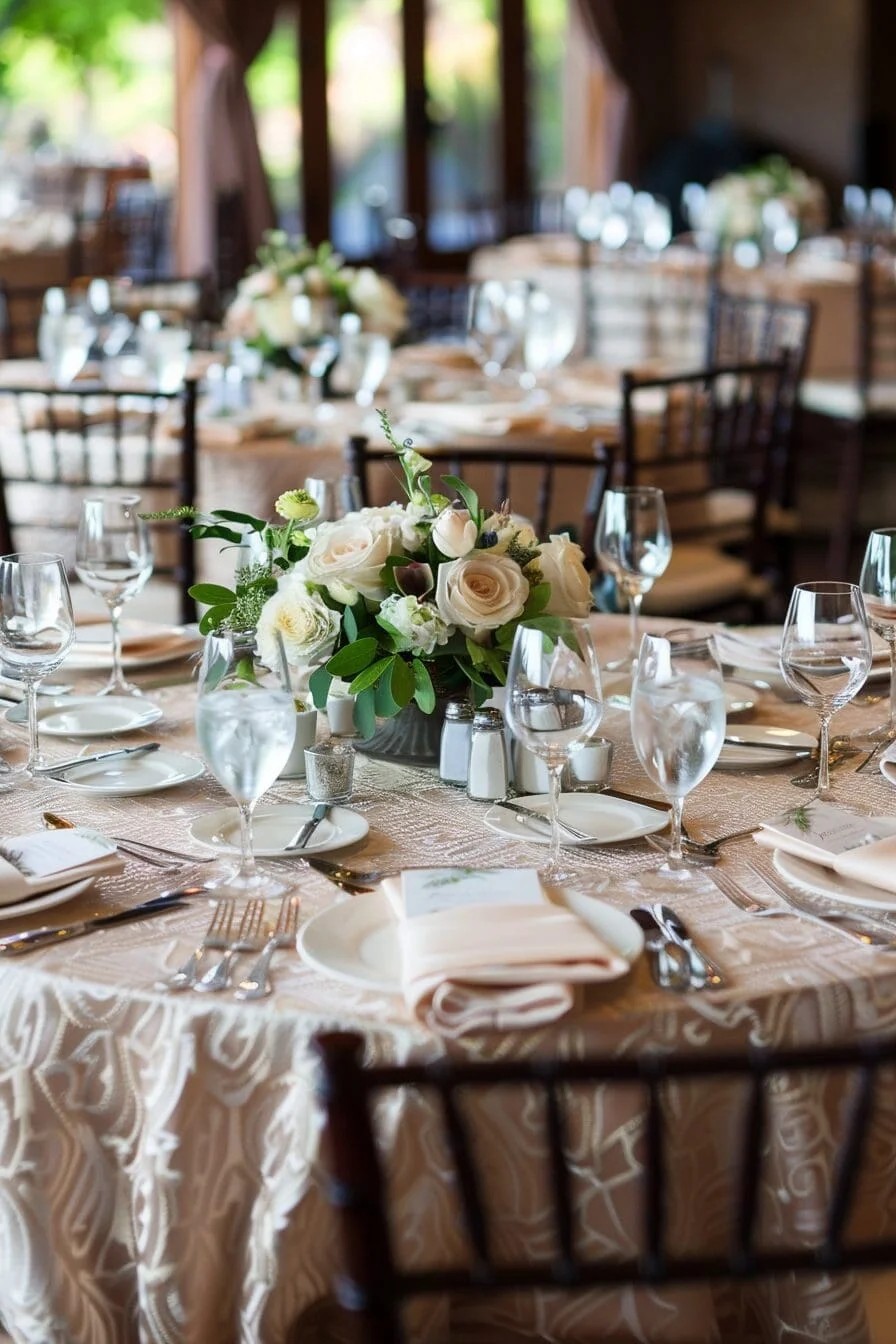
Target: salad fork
<point x="248" y="939"/>
<point x="217" y="935"/>
<point x="256" y="984"/>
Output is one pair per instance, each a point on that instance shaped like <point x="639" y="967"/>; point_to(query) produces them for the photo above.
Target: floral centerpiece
<point x="734" y="203"/>
<point x="406" y="602"/>
<point x="265" y="314"/>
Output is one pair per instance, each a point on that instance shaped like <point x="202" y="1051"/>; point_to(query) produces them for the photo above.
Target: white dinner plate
<point x="758" y="757"/>
<point x="739" y="697"/>
<point x="47" y="900"/>
<point x="888" y="764"/>
<point x="129" y="776"/>
<point x="143" y="644"/>
<point x="820" y="881"/>
<point x="273" y="827"/>
<point x="607" y="820"/>
<point x="89" y="716"/>
<point x="357" y="940"/>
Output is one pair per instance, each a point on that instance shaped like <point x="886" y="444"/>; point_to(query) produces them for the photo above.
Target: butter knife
<point x="307" y="829"/>
<point x="705" y="974"/>
<point x="542" y="823"/>
<point x="17" y="943"/>
<point x="59" y="767"/>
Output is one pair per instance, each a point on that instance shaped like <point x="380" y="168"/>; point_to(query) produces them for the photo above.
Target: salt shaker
<point x="489" y="772"/>
<point x="454" y="752"/>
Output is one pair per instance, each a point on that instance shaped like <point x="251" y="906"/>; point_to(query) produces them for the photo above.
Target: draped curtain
<point x="634" y="40"/>
<point x="220" y="158"/>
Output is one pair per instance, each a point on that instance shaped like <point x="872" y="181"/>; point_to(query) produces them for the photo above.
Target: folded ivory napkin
<point x="758" y="649"/>
<point x="491" y="419"/>
<point x="485" y="949"/>
<point x="45" y="860"/>
<point x="852" y="845"/>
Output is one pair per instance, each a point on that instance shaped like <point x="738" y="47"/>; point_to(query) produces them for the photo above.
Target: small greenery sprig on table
<point x="405" y="602"/>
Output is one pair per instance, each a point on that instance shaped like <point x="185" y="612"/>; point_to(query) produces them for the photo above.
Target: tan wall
<point x="796" y="73"/>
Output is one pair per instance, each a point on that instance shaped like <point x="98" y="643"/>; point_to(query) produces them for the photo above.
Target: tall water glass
<point x="634" y="543"/>
<point x="678" y="721"/>
<point x="878" y="585"/>
<point x="245" y="727"/>
<point x="36" y="628"/>
<point x="335" y="496"/>
<point x="113" y="558"/>
<point x="553" y="705"/>
<point x="825" y="655"/>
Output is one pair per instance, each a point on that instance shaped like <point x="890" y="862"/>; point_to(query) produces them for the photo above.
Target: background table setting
<point x="205" y="1102"/>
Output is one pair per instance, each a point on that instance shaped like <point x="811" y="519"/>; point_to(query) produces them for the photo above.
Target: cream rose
<point x="275" y="319"/>
<point x="306" y="625"/>
<point x="561" y="562"/>
<point x="378" y="302"/>
<point x="455" y="533"/>
<point x="481" y="591"/>
<point x="347" y="558"/>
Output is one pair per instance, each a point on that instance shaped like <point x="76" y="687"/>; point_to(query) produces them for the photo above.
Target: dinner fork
<point x="256" y="984"/>
<point x="248" y="939"/>
<point x="217" y="935"/>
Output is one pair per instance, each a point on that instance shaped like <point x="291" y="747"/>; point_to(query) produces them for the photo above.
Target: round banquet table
<point x="159" y="1153"/>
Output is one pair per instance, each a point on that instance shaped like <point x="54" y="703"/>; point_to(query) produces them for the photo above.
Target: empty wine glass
<point x="678" y="721"/>
<point x="633" y="542"/>
<point x="825" y="655"/>
<point x="878" y="585"/>
<point x="36" y="628"/>
<point x="316" y="346"/>
<point x="364" y="358"/>
<point x="489" y="332"/>
<point x="554" y="704"/>
<point x="74" y="334"/>
<point x="334" y="496"/>
<point x="549" y="334"/>
<point x="245" y="729"/>
<point x="113" y="558"/>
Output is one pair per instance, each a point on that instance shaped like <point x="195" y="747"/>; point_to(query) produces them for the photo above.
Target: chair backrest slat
<point x="472" y="1206"/>
<point x="748" y="1194"/>
<point x="850" y="1159"/>
<point x="560" y="1183"/>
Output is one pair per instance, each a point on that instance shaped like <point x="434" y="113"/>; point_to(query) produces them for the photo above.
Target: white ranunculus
<point x="455" y="533"/>
<point x="275" y="318"/>
<point x="481" y="591"/>
<point x="417" y="626"/>
<point x="305" y="623"/>
<point x="562" y="566"/>
<point x="347" y="558"/>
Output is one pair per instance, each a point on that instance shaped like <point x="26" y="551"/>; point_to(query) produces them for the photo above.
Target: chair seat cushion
<point x="702" y="576"/>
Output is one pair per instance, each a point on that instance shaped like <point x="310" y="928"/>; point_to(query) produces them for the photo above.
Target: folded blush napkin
<point x="45" y="860"/>
<point x="488" y="419"/>
<point x="485" y="949"/>
<point x="853" y="845"/>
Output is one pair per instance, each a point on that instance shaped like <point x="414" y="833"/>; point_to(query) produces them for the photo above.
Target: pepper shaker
<point x="454" y="751"/>
<point x="489" y="771"/>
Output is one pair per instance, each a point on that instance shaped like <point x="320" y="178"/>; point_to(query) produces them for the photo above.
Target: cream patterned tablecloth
<point x="160" y="1176"/>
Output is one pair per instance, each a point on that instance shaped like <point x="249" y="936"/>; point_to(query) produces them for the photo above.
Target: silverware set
<point x="232" y="932"/>
<point x="676" y="961"/>
<point x="855" y="924"/>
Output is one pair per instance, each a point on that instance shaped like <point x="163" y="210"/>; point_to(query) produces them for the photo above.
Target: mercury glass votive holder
<point x="329" y="771"/>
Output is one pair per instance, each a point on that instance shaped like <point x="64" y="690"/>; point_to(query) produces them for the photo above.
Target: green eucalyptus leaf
<point x="212" y="594"/>
<point x="254" y="524"/>
<point x="403" y="684"/>
<point x="213" y="618"/>
<point x="365" y="713"/>
<point x="351" y="659"/>
<point x="386" y="704"/>
<point x="369" y="676"/>
<point x="319" y="685"/>
<point x="424" y="691"/>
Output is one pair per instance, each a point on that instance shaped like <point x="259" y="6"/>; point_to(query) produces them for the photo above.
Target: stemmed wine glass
<point x="334" y="496"/>
<point x="678" y="721"/>
<point x="36" y="628"/>
<point x="633" y="542"/>
<point x="878" y="585"/>
<point x="245" y="729"/>
<point x="553" y="705"/>
<point x="825" y="655"/>
<point x="113" y="558"/>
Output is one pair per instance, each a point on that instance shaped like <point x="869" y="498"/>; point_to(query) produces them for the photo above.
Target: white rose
<point x="455" y="533"/>
<point x="481" y="591"/>
<point x="258" y="285"/>
<point x="304" y="622"/>
<point x="276" y="320"/>
<point x="241" y="319"/>
<point x="347" y="558"/>
<point x="562" y="566"/>
<point x="378" y="302"/>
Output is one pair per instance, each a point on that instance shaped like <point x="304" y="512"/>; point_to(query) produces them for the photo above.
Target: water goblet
<point x="489" y="332"/>
<point x="878" y="585"/>
<point x="554" y="705"/>
<point x="113" y="558"/>
<point x="825" y="655"/>
<point x="677" y="722"/>
<point x="334" y="496"/>
<point x="245" y="728"/>
<point x="633" y="542"/>
<point x="36" y="628"/>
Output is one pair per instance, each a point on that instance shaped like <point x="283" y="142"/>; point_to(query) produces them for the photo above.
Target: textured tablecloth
<point x="160" y="1173"/>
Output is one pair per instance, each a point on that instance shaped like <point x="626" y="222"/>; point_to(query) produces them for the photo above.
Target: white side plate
<point x="819" y="881"/>
<point x="90" y="716"/>
<point x="357" y="940"/>
<point x="273" y="827"/>
<point x="758" y="757"/>
<point x="607" y="820"/>
<point x="130" y="776"/>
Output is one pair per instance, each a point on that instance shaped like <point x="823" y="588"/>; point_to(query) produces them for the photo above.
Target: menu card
<point x="851" y="844"/>
<point x="424" y="891"/>
<point x="44" y="860"/>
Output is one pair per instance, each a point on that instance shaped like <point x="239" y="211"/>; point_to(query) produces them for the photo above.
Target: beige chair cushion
<point x="702" y="576"/>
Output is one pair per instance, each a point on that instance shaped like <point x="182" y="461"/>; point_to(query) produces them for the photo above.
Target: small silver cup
<point x="329" y="771"/>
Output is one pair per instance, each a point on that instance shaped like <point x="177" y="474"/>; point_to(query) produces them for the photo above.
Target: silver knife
<point x="668" y="961"/>
<point x="704" y="972"/>
<point x="540" y="822"/>
<point x="58" y="767"/>
<point x="17" y="943"/>
<point x="307" y="829"/>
